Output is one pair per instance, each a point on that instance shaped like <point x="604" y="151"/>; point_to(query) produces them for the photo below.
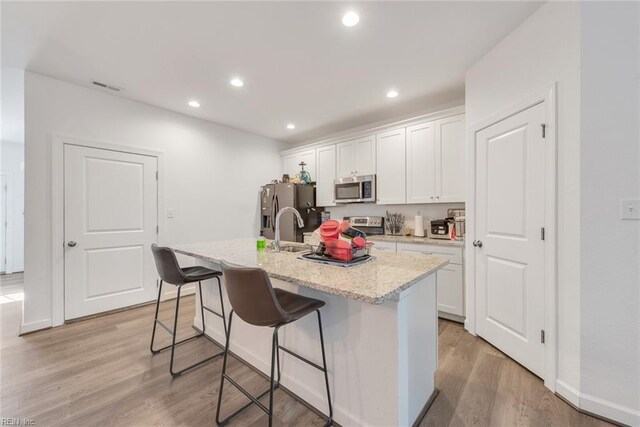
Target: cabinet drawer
<point x="384" y="246"/>
<point x="453" y="254"/>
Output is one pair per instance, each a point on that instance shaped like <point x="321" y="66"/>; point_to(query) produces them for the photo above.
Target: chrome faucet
<point x="276" y="238"/>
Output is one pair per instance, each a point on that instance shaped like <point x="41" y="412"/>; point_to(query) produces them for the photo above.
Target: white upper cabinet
<point x="326" y="173"/>
<point x="391" y="168"/>
<point x="450" y="159"/>
<point x="291" y="163"/>
<point x="356" y="157"/>
<point x="421" y="161"/>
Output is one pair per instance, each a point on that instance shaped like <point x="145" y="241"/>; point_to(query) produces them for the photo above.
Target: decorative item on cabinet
<point x="303" y="176"/>
<point x="285" y="178"/>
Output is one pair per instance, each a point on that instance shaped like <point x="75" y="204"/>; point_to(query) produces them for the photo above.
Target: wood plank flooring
<point x="100" y="372"/>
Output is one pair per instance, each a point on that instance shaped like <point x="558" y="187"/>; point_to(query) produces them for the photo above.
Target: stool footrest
<point x="253" y="400"/>
<point x="304" y="359"/>
<point x="213" y="312"/>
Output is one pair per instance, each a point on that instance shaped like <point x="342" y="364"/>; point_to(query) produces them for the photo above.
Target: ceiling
<point x="298" y="62"/>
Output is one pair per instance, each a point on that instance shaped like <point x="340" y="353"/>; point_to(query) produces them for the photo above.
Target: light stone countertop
<point x="373" y="282"/>
<point x="414" y="239"/>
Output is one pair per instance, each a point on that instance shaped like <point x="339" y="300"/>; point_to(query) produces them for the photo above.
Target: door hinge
<point x="157" y="175"/>
<point x="544" y="130"/>
<point x="541" y="233"/>
<point x="542" y="336"/>
<point x="157" y="229"/>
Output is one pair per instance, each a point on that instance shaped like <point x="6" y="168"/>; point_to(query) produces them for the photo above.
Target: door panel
<point x="510" y="176"/>
<point x="391" y="176"/>
<point x="326" y="167"/>
<point x="421" y="161"/>
<point x="365" y="155"/>
<point x="111" y="213"/>
<point x="450" y="155"/>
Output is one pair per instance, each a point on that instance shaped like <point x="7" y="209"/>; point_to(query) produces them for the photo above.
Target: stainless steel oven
<point x="356" y="189"/>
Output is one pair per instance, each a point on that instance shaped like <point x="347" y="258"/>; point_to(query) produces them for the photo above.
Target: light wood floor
<point x="100" y="372"/>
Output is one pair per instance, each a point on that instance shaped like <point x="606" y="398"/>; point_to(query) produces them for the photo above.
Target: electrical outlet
<point x="170" y="213"/>
<point x="630" y="209"/>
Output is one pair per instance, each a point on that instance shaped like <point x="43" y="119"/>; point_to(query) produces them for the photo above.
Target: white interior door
<point x="111" y="217"/>
<point x="510" y="177"/>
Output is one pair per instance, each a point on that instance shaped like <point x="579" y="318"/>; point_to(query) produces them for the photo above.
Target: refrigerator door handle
<point x="273" y="216"/>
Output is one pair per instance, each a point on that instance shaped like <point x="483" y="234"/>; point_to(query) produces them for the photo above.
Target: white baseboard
<point x="25" y="328"/>
<point x="597" y="406"/>
<point x="569" y="393"/>
<point x="610" y="410"/>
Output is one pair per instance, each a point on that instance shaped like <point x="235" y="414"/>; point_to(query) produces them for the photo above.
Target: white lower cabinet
<point x="450" y="277"/>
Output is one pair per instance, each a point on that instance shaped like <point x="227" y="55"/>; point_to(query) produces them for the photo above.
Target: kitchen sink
<point x="295" y="248"/>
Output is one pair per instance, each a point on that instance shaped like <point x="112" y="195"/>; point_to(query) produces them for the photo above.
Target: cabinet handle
<point x="437" y="197"/>
<point x="427" y="253"/>
<point x="431" y="197"/>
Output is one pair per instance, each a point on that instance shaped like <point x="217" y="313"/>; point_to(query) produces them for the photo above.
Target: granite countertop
<point x="373" y="282"/>
<point x="414" y="239"/>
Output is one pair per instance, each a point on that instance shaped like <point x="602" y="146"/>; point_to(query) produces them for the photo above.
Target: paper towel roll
<point x="419" y="226"/>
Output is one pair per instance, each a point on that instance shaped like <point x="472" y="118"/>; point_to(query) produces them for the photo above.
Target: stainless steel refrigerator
<point x="274" y="197"/>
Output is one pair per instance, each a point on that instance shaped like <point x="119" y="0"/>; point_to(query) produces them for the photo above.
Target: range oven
<point x="356" y="189"/>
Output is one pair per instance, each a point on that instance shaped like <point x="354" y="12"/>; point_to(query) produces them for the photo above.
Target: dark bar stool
<point x="258" y="303"/>
<point x="170" y="272"/>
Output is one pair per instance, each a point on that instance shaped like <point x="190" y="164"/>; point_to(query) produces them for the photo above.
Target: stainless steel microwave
<point x="356" y="189"/>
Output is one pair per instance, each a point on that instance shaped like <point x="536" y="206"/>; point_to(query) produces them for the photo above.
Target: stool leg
<point x="224" y="319"/>
<point x="175" y="334"/>
<point x="274" y="350"/>
<point x="201" y="306"/>
<point x="224" y="369"/>
<point x="155" y="319"/>
<point x="277" y="357"/>
<point x="324" y="365"/>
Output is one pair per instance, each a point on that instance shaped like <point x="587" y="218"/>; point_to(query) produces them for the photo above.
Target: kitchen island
<point x="380" y="329"/>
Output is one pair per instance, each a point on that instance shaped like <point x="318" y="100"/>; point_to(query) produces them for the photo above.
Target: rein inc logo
<point x="10" y="421"/>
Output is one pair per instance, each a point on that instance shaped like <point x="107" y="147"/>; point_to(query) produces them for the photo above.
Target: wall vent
<point x="106" y="86"/>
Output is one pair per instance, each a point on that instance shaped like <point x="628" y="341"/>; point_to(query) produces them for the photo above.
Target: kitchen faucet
<point x="276" y="238"/>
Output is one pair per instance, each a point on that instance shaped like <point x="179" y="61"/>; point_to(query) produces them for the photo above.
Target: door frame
<point x="549" y="97"/>
<point x="57" y="208"/>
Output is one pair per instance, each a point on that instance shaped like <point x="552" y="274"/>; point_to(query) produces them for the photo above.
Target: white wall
<point x="11" y="161"/>
<point x="213" y="173"/>
<point x="609" y="246"/>
<point x="12" y="165"/>
<point x="543" y="50"/>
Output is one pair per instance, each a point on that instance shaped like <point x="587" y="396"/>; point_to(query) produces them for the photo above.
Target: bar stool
<point x="170" y="271"/>
<point x="258" y="303"/>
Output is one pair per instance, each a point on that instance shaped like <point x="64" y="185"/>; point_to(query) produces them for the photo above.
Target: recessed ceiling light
<point x="350" y="19"/>
<point x="237" y="82"/>
<point x="194" y="104"/>
<point x="392" y="94"/>
<point x="291" y="126"/>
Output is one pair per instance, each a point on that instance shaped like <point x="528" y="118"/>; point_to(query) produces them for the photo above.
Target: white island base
<point x="381" y="357"/>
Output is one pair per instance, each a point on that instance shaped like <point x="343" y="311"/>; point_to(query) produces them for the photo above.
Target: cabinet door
<point x="450" y="152"/>
<point x="345" y="159"/>
<point x="325" y="174"/>
<point x="450" y="296"/>
<point x="390" y="159"/>
<point x="291" y="163"/>
<point x="421" y="162"/>
<point x="365" y="155"/>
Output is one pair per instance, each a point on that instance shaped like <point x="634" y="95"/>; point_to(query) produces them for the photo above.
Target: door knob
<point x="477" y="243"/>
<point x="71" y="244"/>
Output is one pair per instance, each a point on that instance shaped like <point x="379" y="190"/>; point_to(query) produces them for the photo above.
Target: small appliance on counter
<point x="441" y="229"/>
<point x="459" y="222"/>
<point x="341" y="244"/>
